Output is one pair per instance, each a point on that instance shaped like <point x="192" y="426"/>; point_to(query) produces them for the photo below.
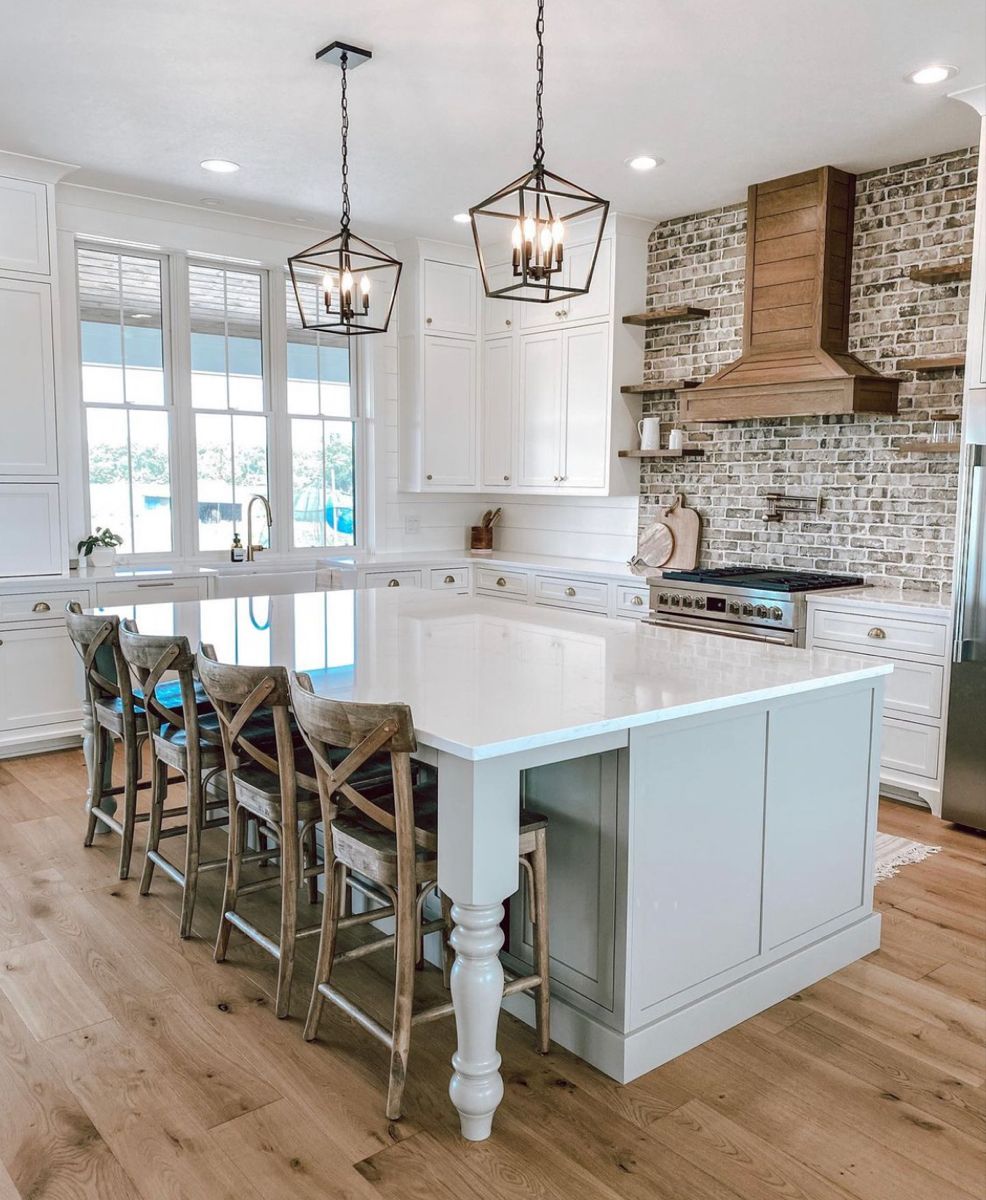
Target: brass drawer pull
<point x="501" y="582"/>
<point x="569" y="591"/>
<point x="393" y="583"/>
<point x="877" y="632"/>
<point x="41" y="606"/>
<point x="450" y="579"/>
<point x="638" y="600"/>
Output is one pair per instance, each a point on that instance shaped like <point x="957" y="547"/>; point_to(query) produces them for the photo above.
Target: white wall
<point x="604" y="528"/>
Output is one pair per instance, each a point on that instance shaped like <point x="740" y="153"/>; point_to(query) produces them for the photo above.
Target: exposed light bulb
<point x="364" y="284"/>
<point x="516" y="237"/>
<point x="347" y="281"/>
<point x="530" y="228"/>
<point x="546" y="239"/>
<point x="558" y="231"/>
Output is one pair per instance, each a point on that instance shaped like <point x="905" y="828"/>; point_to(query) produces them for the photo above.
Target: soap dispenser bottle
<point x="236" y="552"/>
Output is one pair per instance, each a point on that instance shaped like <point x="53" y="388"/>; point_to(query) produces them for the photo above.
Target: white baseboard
<point x="17" y="743"/>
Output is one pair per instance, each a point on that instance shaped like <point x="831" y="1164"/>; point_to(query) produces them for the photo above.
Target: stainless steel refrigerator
<point x="964" y="784"/>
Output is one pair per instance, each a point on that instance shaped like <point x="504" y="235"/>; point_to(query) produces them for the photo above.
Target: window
<point x="228" y="396"/>
<point x="321" y="409"/>
<point x="125" y="394"/>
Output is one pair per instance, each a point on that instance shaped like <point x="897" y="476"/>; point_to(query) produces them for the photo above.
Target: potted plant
<point x="100" y="547"/>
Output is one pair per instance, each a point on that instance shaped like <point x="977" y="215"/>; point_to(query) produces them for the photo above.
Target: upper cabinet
<point x="27" y="379"/>
<point x="449" y="298"/>
<point x="24" y="227"/>
<point x="509" y="396"/>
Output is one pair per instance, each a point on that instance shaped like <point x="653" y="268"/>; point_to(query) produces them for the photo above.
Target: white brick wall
<point x="886" y="516"/>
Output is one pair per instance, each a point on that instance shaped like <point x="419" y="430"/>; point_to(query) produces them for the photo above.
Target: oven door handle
<point x="732" y="633"/>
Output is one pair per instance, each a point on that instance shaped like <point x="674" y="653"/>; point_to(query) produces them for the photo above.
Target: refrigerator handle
<point x="970" y="600"/>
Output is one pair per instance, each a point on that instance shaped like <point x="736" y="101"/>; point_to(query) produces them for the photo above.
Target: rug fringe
<point x="913" y="852"/>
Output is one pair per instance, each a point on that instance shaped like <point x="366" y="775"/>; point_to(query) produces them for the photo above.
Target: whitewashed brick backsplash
<point x="886" y="516"/>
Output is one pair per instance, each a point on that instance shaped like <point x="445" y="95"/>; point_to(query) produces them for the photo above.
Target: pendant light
<point x="521" y="231"/>
<point x="345" y="285"/>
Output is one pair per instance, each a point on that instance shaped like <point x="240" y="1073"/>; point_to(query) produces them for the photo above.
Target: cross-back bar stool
<point x="117" y="715"/>
<point x="188" y="740"/>
<point x="390" y="837"/>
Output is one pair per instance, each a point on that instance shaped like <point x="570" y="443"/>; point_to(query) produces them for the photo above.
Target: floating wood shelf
<point x="953" y="272"/>
<point x="684" y="452"/>
<point x="928" y="447"/>
<point x="680" y="312"/>
<point x="648" y="389"/>
<point x="944" y="362"/>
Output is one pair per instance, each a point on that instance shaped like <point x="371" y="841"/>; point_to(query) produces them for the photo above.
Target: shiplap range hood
<point x="795" y="359"/>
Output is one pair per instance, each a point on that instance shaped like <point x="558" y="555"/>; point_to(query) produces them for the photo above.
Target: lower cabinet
<point x="40" y="685"/>
<point x="375" y="579"/>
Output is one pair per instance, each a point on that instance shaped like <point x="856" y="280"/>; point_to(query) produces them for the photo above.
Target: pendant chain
<point x="539" y="135"/>
<point x="344" y="61"/>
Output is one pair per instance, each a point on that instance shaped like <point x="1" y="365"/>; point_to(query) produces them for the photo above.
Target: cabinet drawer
<point x="879" y="635"/>
<point x="910" y="748"/>
<point x="914" y="689"/>
<point x="575" y="593"/>
<point x="375" y="579"/>
<point x="450" y="579"/>
<point x="512" y="583"/>
<point x="150" y="591"/>
<point x="632" y="601"/>
<point x="32" y="607"/>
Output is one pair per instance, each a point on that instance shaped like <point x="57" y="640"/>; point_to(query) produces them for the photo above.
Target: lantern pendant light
<point x="521" y="231"/>
<point x="345" y="285"/>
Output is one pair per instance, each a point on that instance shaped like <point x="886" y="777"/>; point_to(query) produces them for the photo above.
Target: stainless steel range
<point x="754" y="603"/>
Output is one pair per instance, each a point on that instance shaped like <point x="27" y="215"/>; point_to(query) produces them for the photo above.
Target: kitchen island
<point x="712" y="804"/>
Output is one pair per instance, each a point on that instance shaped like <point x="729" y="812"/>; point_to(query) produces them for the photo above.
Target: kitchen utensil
<point x="656" y="544"/>
<point x="481" y="539"/>
<point x="486" y="517"/>
<point x="684" y="523"/>
<point x="650" y="433"/>
<point x="496" y="515"/>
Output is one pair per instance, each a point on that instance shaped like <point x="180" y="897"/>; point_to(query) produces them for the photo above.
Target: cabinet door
<point x="587" y="401"/>
<point x="27" y="381"/>
<point x="449" y="457"/>
<point x="40" y="678"/>
<point x="29" y="517"/>
<point x="24" y="226"/>
<point x="596" y="302"/>
<point x="499" y="315"/>
<point x="540" y="424"/>
<point x="498" y="412"/>
<point x="450" y="295"/>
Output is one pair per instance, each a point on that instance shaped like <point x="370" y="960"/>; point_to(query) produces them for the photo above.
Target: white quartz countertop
<point x="911" y="603"/>
<point x="484" y="678"/>
<point x="553" y="564"/>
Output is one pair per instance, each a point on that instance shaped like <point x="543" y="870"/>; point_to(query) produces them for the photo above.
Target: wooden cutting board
<point x="656" y="544"/>
<point x="686" y="527"/>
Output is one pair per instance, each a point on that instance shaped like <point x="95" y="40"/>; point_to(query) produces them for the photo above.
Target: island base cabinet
<point x="40" y="689"/>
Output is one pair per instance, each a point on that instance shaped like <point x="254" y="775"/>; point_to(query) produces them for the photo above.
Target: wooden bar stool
<point x="188" y="740"/>
<point x="116" y="716"/>
<point x="390" y="836"/>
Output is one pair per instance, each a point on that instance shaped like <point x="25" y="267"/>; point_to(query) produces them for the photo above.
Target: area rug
<point x="895" y="852"/>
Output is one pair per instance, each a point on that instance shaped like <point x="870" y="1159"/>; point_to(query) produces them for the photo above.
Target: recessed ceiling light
<point x="222" y="166"/>
<point x="937" y="73"/>
<point x="461" y="218"/>
<point x="643" y="162"/>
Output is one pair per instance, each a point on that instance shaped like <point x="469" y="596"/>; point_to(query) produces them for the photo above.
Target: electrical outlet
<point x="412" y="524"/>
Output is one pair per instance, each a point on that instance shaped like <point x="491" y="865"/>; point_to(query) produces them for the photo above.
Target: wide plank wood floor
<point x="134" y="1068"/>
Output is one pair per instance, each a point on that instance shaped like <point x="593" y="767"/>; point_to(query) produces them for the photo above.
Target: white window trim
<point x="176" y="334"/>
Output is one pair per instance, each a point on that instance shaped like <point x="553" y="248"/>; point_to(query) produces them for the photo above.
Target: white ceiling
<point x="727" y="93"/>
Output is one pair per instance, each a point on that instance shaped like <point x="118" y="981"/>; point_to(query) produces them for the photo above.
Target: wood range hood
<point x="795" y="359"/>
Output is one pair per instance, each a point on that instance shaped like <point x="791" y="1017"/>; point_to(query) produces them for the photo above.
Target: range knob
<point x="662" y="598"/>
<point x="747" y="610"/>
<point x="762" y="612"/>
<point x="700" y="602"/>
<point x="734" y="608"/>
<point x="777" y="614"/>
<point x="675" y="601"/>
<point x="686" y="601"/>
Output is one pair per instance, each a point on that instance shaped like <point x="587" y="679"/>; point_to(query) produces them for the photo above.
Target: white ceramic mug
<point x="650" y="433"/>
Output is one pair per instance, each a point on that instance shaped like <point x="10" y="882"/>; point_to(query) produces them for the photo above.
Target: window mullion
<point x="185" y="450"/>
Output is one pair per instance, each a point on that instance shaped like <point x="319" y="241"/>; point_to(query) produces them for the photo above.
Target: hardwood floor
<point x="132" y="1066"/>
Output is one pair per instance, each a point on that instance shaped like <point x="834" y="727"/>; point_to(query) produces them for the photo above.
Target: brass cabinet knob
<point x="427" y="320"/>
<point x="393" y="583"/>
<point x="501" y="582"/>
<point x="508" y="323"/>
<point x="638" y="600"/>
<point x="428" y="477"/>
<point x="450" y="579"/>
<point x="877" y="632"/>
<point x="41" y="606"/>
<point x="506" y="478"/>
<point x="569" y="591"/>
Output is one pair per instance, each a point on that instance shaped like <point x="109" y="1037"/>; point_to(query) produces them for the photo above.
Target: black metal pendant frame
<point x="344" y="251"/>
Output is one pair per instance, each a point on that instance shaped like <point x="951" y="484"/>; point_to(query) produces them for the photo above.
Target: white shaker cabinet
<point x="31" y="522"/>
<point x="497" y="406"/>
<point x="24" y="226"/>
<point x="449" y="412"/>
<point x="585" y="450"/>
<point x="540" y="409"/>
<point x="450" y="293"/>
<point x="27" y="379"/>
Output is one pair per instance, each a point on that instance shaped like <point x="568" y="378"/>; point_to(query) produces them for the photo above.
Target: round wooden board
<point x="656" y="544"/>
